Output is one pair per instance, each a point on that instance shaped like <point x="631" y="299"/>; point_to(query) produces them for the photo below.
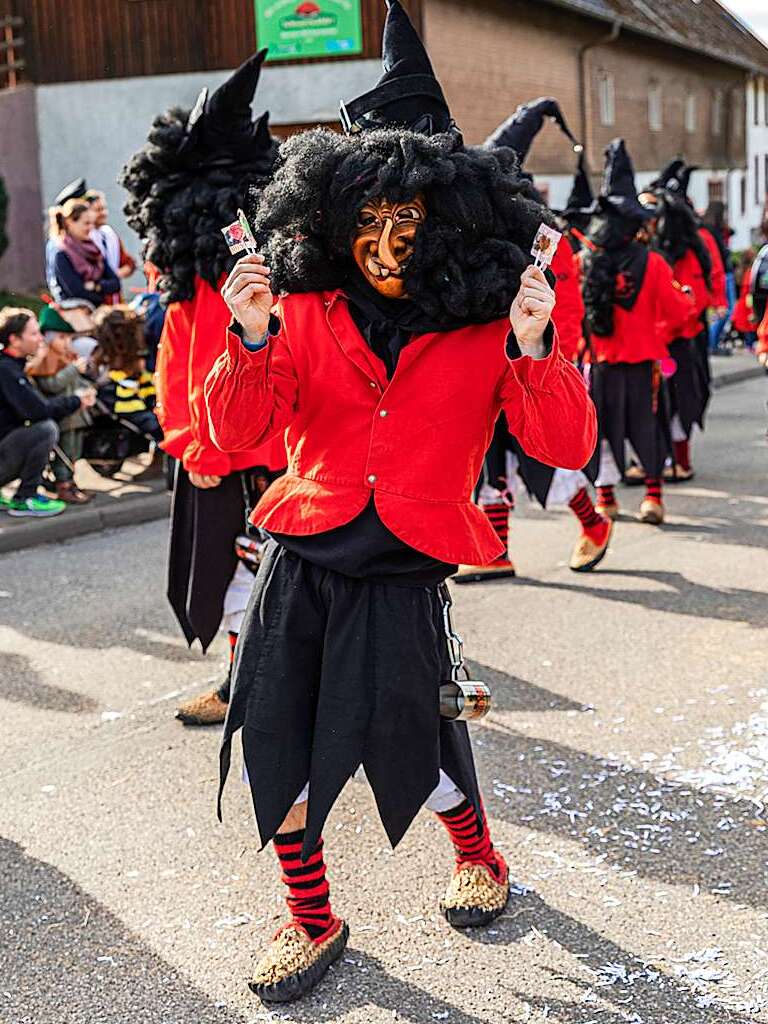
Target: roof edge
<point x="681" y="44"/>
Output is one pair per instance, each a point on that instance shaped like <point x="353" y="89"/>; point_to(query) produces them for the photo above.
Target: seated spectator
<point x="28" y="421"/>
<point x="79" y="270"/>
<point x="56" y="370"/>
<point x="125" y="386"/>
<point x="109" y="241"/>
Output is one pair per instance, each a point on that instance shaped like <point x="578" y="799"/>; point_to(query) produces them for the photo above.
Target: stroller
<point x="111" y="440"/>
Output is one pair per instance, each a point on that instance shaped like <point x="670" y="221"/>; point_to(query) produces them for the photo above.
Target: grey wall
<point x="21" y="266"/>
<point x="92" y="128"/>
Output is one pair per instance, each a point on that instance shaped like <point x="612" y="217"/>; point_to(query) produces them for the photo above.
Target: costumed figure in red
<point x="506" y="460"/>
<point x="188" y="181"/>
<point x="633" y="306"/>
<point x="408" y="317"/>
<point x="696" y="263"/>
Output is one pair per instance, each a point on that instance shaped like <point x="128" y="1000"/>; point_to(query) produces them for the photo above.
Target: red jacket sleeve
<point x="251" y="396"/>
<point x="568" y="314"/>
<point x="718" y="293"/>
<point x="171" y="379"/>
<point x="674" y="306"/>
<point x="762" y="336"/>
<point x="549" y="410"/>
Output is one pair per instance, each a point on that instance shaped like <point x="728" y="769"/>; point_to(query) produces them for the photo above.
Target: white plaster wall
<point x="92" y="128"/>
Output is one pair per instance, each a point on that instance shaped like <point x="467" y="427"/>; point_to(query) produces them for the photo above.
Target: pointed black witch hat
<point x="684" y="178"/>
<point x="581" y="198"/>
<point x="408" y="95"/>
<point x="669" y="176"/>
<point x="221" y="125"/>
<point x="522" y="127"/>
<point x="618" y="193"/>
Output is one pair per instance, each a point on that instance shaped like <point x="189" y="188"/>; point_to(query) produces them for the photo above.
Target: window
<point x="691" y="119"/>
<point x="765" y="164"/>
<point x="607" y="98"/>
<point x="655" y="118"/>
<point x="717" y="112"/>
<point x="716" y="190"/>
<point x="757" y="180"/>
<point x="743" y="196"/>
<point x="739" y="120"/>
<point x="755" y="111"/>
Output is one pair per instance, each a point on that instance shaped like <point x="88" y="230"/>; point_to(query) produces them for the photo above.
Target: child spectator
<point x="56" y="370"/>
<point x="79" y="269"/>
<point x="28" y="422"/>
<point x="125" y="386"/>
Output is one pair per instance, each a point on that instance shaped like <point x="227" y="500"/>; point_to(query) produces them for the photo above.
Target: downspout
<point x="612" y="36"/>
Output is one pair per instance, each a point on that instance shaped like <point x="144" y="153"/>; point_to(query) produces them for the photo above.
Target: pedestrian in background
<point x="109" y="242"/>
<point x="28" y="421"/>
<point x="57" y="370"/>
<point x="79" y="269"/>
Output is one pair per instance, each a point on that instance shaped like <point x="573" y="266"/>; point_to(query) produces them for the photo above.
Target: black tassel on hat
<point x="618" y="193"/>
<point x="522" y="127"/>
<point x="408" y="95"/>
<point x="221" y="128"/>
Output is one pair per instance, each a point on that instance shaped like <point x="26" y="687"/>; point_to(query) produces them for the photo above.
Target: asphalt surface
<point x="625" y="767"/>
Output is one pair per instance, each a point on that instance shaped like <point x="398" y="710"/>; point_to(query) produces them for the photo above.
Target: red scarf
<point x="86" y="257"/>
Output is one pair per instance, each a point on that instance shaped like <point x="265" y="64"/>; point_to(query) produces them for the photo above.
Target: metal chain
<point x="455" y="642"/>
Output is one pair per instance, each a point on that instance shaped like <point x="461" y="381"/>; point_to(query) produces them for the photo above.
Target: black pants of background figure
<point x="630" y="407"/>
<point x="24" y="454"/>
<point x="688" y="386"/>
<point x="71" y="444"/>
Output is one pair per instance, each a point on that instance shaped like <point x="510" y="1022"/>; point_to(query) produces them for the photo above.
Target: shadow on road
<point x="662" y="830"/>
<point x="513" y="694"/>
<point x="683" y="596"/>
<point x="66" y="958"/>
<point x="21" y="684"/>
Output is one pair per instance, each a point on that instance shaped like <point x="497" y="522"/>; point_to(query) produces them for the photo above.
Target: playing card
<point x="238" y="236"/>
<point x="544" y="245"/>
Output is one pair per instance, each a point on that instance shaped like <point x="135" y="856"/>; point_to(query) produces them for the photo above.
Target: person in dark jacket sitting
<point x="79" y="269"/>
<point x="28" y="422"/>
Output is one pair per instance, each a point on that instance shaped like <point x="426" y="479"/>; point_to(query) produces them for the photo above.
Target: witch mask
<point x="384" y="240"/>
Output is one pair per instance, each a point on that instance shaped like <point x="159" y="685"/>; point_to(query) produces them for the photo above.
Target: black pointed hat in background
<point x="408" y="95"/>
<point x="668" y="176"/>
<point x="618" y="193"/>
<point x="684" y="177"/>
<point x="73" y="190"/>
<point x="221" y="124"/>
<point x="581" y="198"/>
<point x="522" y="127"/>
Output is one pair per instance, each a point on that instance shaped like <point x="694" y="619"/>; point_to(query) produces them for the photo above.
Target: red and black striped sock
<point x="308" y="889"/>
<point x="605" y="495"/>
<point x="464" y="827"/>
<point x="682" y="450"/>
<point x="653" y="488"/>
<point x="582" y="507"/>
<point x="498" y="517"/>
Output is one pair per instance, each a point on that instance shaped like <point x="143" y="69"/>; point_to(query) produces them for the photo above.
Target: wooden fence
<point x="11" y="45"/>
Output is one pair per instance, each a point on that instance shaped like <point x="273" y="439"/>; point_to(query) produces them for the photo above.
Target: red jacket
<point x="743" y="320"/>
<point x="688" y="272"/>
<point x="193" y="337"/>
<point x="415" y="443"/>
<point x="568" y="315"/>
<point x="762" y="336"/>
<point x="658" y="315"/>
<point x="718" y="295"/>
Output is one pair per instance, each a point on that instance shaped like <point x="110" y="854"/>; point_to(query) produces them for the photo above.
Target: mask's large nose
<point x="386" y="254"/>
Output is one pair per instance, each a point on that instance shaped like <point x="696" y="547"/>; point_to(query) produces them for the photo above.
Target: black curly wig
<point x="677" y="233"/>
<point x="178" y="205"/>
<point x="613" y="237"/>
<point x="476" y="240"/>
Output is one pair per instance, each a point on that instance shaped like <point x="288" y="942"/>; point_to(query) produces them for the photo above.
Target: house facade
<point x="674" y="77"/>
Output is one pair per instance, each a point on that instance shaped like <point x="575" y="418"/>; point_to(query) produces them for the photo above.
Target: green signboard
<point x="309" y="28"/>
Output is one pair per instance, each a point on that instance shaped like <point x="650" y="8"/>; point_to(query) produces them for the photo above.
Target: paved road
<point x="623" y="767"/>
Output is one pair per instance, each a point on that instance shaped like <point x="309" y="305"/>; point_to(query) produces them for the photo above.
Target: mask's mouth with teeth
<point x="384" y="240"/>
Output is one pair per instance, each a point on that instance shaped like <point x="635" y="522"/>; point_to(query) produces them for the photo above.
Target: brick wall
<point x="493" y="55"/>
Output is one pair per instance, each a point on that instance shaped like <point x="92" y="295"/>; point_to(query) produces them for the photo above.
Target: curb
<point x="126" y="512"/>
<point x="737" y="376"/>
